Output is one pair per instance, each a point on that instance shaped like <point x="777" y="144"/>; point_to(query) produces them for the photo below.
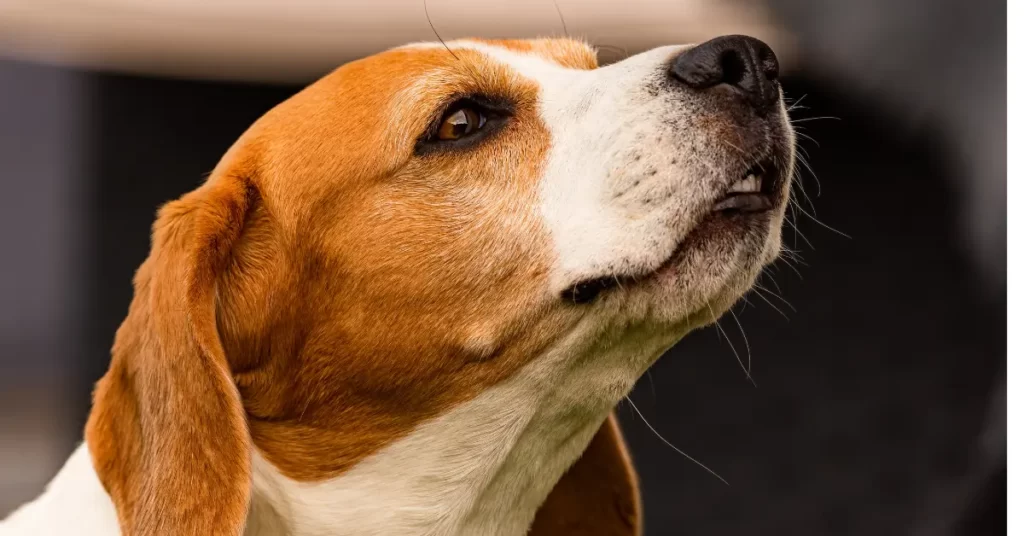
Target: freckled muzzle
<point x="723" y="123"/>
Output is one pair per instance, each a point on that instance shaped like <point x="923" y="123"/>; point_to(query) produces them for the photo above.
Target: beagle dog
<point x="408" y="299"/>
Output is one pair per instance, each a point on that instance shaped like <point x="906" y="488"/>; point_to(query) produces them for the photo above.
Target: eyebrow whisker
<point x="434" y="29"/>
<point x="565" y="30"/>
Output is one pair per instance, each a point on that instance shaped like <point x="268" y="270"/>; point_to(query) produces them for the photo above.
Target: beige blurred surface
<point x="32" y="441"/>
<point x="297" y="40"/>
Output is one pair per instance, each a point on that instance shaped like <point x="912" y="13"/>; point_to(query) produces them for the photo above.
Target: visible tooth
<point x="749" y="183"/>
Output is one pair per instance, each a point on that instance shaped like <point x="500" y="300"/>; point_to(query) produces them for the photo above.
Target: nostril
<point x="733" y="67"/>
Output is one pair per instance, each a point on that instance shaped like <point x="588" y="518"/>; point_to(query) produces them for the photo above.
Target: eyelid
<point x="489" y="109"/>
<point x="481" y="108"/>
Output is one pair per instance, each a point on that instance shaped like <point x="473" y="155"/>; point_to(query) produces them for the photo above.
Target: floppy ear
<point x="167" y="430"/>
<point x="598" y="495"/>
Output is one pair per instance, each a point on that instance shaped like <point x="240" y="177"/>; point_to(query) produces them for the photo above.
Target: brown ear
<point x="167" y="430"/>
<point x="598" y="495"/>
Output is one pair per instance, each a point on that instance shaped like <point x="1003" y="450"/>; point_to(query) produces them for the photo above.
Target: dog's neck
<point x="484" y="467"/>
<point x="481" y="469"/>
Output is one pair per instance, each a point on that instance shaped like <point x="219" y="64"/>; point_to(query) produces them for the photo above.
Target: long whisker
<point x="770" y="304"/>
<point x="433" y="29"/>
<point x="791" y="266"/>
<point x="802" y="159"/>
<point x="750" y="357"/>
<point x="783" y="300"/>
<point x="797" y="231"/>
<point x="733" y="348"/>
<point x="565" y="30"/>
<point x="767" y="273"/>
<point x="819" y="222"/>
<point x="801" y="134"/>
<point x="673" y="447"/>
<point x="796" y="104"/>
<point x="806" y="119"/>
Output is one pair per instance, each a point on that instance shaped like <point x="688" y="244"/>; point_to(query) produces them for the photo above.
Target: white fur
<point x="598" y="120"/>
<point x="484" y="467"/>
<point x="594" y="117"/>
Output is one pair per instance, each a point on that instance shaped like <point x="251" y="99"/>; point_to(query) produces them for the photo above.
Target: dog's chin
<point x="717" y="263"/>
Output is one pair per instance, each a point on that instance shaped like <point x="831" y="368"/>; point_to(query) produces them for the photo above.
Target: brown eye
<point x="460" y="123"/>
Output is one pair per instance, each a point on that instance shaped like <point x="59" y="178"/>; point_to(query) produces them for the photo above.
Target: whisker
<point x="673" y="447"/>
<point x="798" y="180"/>
<point x="797" y="231"/>
<point x="733" y="348"/>
<point x="433" y="29"/>
<point x="806" y="119"/>
<point x="750" y="357"/>
<point x="793" y="255"/>
<point x="802" y="159"/>
<point x="801" y="134"/>
<point x="767" y="272"/>
<point x="796" y="105"/>
<point x="791" y="266"/>
<point x="565" y="30"/>
<point x="819" y="222"/>
<point x="783" y="300"/>
<point x="770" y="304"/>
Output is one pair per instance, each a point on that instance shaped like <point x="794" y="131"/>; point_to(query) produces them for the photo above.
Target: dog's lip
<point x="756" y="190"/>
<point x="735" y="203"/>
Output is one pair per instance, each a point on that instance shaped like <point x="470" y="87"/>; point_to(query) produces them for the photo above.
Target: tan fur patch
<point x="356" y="286"/>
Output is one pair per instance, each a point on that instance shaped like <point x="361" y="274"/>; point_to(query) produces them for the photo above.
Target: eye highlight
<point x="460" y="123"/>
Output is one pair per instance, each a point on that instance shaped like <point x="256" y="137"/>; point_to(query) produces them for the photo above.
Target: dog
<point x="408" y="299"/>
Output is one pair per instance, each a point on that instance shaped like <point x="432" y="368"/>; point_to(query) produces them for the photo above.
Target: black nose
<point x="734" y="60"/>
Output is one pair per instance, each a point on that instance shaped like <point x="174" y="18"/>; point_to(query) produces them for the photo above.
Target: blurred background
<point x="879" y="354"/>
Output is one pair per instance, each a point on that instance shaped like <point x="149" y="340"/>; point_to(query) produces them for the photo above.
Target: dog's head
<point x="424" y="225"/>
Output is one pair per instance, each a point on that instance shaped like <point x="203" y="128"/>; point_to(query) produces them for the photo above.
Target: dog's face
<point x="451" y="213"/>
<point x="426" y="224"/>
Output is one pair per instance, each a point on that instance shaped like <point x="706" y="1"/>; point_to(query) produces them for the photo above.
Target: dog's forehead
<point x="563" y="52"/>
<point x="568" y="53"/>
<point x="458" y="63"/>
<point x="365" y="118"/>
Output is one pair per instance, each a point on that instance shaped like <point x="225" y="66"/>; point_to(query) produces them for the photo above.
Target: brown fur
<point x="327" y="289"/>
<point x="167" y="430"/>
<point x="598" y="495"/>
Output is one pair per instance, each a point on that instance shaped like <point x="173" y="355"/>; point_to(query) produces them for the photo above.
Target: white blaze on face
<point x="613" y="191"/>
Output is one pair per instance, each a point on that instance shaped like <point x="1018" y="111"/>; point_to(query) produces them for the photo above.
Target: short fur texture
<point x="342" y="333"/>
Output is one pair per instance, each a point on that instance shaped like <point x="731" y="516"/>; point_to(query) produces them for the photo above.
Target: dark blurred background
<point x="879" y="356"/>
